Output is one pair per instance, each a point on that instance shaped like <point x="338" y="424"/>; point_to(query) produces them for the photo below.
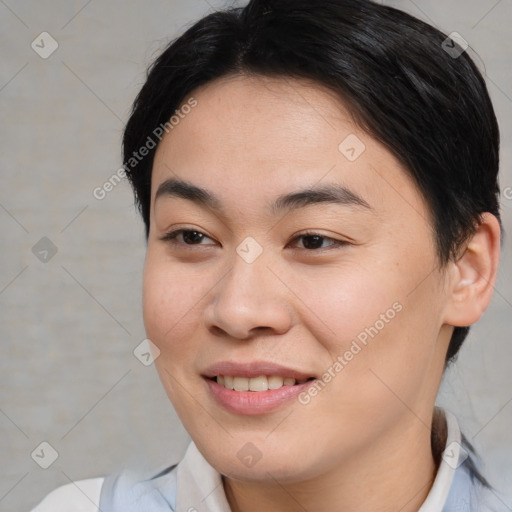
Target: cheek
<point x="170" y="312"/>
<point x="391" y="364"/>
<point x="342" y="302"/>
<point x="171" y="301"/>
<point x="378" y="320"/>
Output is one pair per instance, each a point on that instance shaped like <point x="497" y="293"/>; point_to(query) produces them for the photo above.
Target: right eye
<point x="186" y="237"/>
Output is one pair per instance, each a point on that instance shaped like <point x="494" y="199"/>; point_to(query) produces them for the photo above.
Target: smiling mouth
<point x="256" y="384"/>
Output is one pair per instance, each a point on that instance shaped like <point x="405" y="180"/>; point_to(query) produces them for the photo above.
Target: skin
<point x="248" y="141"/>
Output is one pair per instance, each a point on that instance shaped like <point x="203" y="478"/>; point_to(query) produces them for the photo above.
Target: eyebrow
<point x="178" y="188"/>
<point x="331" y="194"/>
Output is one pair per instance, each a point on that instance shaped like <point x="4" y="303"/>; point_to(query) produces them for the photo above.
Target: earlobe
<point x="474" y="274"/>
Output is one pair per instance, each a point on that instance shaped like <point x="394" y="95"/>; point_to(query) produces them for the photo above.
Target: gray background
<point x="69" y="325"/>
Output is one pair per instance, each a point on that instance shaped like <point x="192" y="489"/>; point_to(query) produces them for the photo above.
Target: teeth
<point x="258" y="384"/>
<point x="241" y="383"/>
<point x="261" y="383"/>
<point x="275" y="382"/>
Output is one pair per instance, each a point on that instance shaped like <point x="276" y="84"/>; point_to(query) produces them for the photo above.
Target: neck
<point x="395" y="475"/>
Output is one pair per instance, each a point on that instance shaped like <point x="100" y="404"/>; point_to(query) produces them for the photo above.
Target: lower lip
<point x="255" y="402"/>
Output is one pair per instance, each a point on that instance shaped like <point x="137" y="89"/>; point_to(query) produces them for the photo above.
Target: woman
<point x="318" y="184"/>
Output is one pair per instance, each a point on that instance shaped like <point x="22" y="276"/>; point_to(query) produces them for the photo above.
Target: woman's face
<point x="308" y="252"/>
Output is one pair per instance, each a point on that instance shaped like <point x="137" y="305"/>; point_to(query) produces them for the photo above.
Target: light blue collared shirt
<point x="194" y="485"/>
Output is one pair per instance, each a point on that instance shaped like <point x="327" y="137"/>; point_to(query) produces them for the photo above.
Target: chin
<point x="246" y="460"/>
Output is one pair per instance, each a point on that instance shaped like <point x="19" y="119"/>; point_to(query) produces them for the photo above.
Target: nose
<point x="250" y="299"/>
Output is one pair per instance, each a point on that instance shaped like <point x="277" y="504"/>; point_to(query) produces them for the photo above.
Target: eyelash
<point x="171" y="236"/>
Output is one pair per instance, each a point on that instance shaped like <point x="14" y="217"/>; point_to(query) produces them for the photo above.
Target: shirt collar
<point x="200" y="487"/>
<point x="450" y="460"/>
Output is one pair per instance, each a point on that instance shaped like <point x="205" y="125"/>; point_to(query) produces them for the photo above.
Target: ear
<point x="474" y="274"/>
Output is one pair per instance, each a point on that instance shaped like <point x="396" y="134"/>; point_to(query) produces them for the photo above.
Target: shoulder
<point x="470" y="494"/>
<point x="126" y="490"/>
<point x="459" y="485"/>
<point x="132" y="491"/>
<point x="79" y="496"/>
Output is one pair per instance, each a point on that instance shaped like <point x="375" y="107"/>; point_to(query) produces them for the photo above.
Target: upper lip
<point x="253" y="369"/>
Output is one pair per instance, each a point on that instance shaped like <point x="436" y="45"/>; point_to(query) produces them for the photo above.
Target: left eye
<point x="315" y="241"/>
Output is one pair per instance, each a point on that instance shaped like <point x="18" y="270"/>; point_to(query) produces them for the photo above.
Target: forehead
<point x="275" y="120"/>
<point x="258" y="136"/>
